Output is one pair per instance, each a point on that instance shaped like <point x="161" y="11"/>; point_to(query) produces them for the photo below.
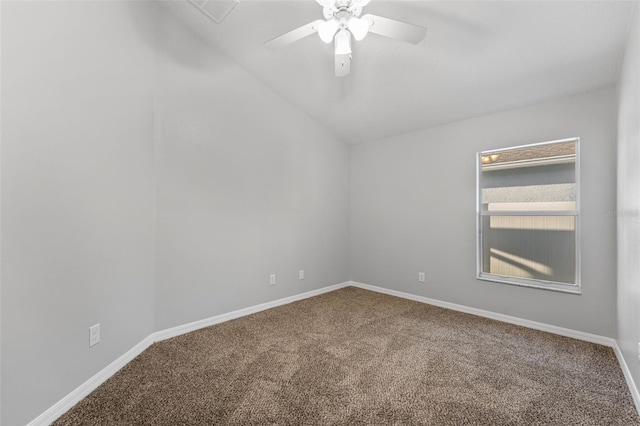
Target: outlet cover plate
<point x="94" y="335"/>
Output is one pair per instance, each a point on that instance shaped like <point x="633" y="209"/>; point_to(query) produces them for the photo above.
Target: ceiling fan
<point x="342" y="21"/>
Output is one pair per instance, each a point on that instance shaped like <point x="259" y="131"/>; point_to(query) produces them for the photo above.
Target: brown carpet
<point x="357" y="357"/>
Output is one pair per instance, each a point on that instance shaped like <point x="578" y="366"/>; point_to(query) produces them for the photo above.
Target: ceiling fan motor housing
<point x="342" y="9"/>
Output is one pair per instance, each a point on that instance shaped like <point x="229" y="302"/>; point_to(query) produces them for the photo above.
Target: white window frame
<point x="528" y="282"/>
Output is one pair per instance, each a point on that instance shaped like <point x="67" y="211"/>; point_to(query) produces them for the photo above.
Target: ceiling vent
<point x="216" y="10"/>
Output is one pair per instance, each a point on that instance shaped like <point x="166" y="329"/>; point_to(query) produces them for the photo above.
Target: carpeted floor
<point x="357" y="357"/>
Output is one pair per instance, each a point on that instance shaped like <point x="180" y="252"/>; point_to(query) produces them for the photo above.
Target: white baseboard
<point x="82" y="391"/>
<point x="90" y="385"/>
<point x="580" y="335"/>
<point x="66" y="403"/>
<point x="627" y="375"/>
<point x="196" y="325"/>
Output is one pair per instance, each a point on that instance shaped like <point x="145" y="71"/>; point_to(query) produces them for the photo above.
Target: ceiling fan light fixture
<point x="342" y="20"/>
<point x="343" y="43"/>
<point x="327" y="29"/>
<point x="359" y="28"/>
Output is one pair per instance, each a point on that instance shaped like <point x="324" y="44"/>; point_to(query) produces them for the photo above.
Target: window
<point x="528" y="204"/>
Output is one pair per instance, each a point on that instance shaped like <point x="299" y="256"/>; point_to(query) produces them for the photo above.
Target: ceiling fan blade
<point x="395" y="29"/>
<point x="293" y="35"/>
<point x="343" y="64"/>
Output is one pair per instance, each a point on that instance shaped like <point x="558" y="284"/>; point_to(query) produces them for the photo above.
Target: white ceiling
<point x="478" y="57"/>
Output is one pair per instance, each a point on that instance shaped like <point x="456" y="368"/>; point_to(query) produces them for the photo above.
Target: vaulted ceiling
<point x="478" y="57"/>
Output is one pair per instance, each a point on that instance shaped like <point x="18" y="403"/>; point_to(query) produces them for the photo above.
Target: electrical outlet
<point x="94" y="335"/>
<point x="421" y="277"/>
<point x="272" y="279"/>
<point x="301" y="274"/>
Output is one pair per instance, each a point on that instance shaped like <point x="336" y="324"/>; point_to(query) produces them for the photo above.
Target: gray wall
<point x="413" y="209"/>
<point x="147" y="181"/>
<point x="629" y="203"/>
<point x="77" y="239"/>
<point x="116" y="150"/>
<point x="247" y="186"/>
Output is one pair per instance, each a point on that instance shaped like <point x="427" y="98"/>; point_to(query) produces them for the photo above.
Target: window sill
<point x="523" y="282"/>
